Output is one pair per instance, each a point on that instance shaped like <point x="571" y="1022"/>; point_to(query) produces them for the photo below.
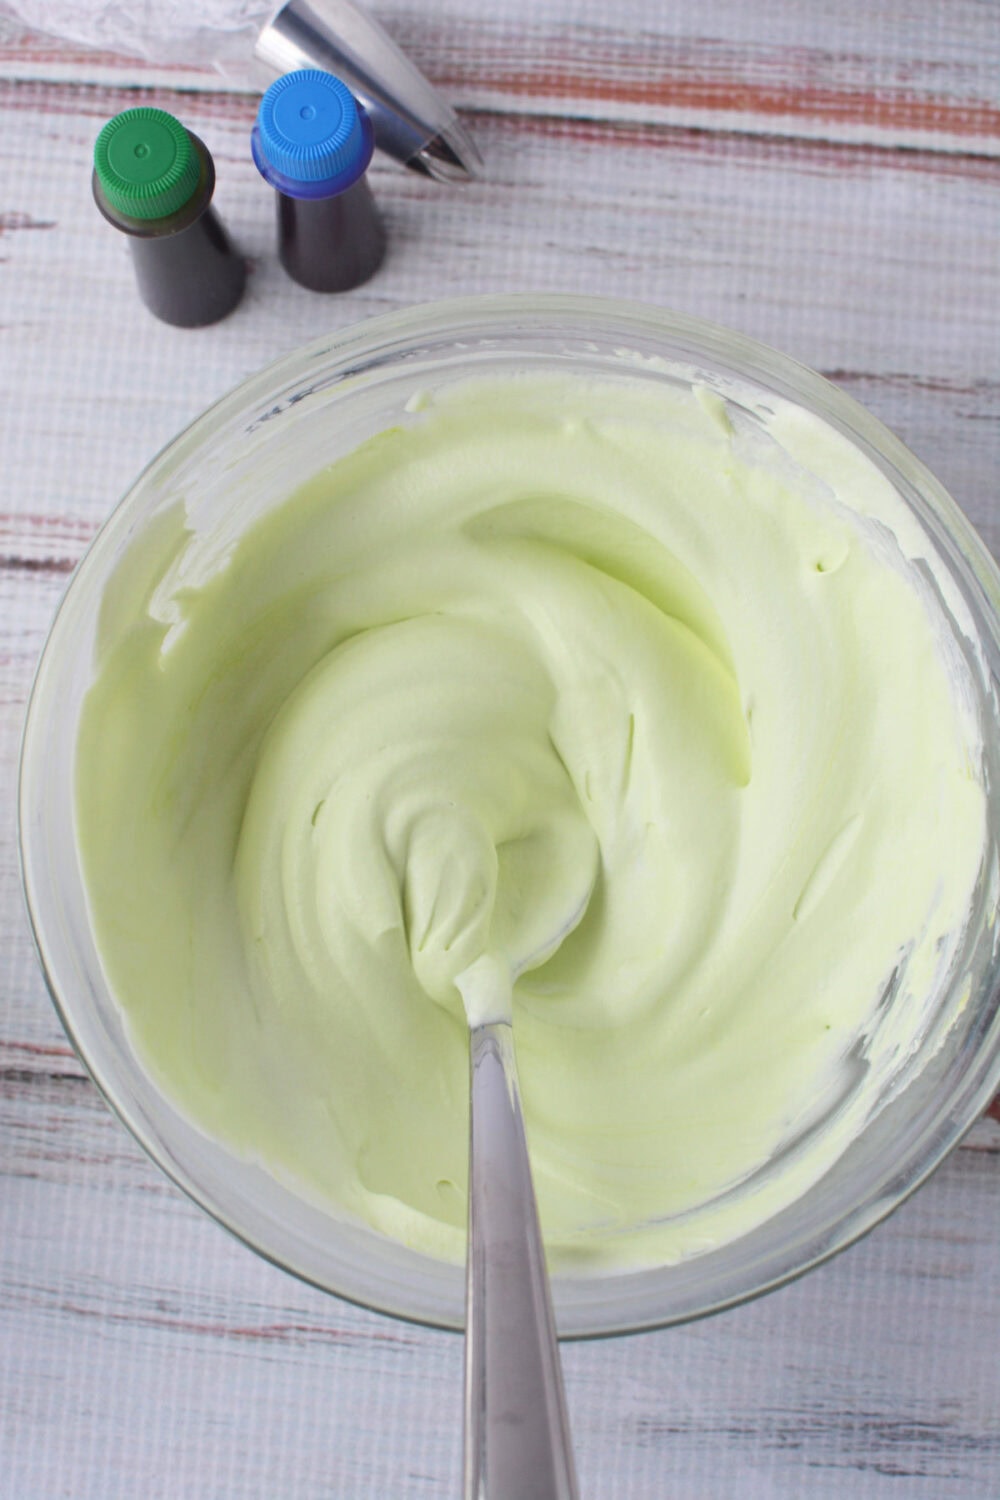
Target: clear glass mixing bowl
<point x="241" y="458"/>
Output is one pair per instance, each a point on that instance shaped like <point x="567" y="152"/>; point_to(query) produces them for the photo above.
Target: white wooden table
<point x="824" y="177"/>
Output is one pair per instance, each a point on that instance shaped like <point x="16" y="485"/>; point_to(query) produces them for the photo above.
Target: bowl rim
<point x="502" y="311"/>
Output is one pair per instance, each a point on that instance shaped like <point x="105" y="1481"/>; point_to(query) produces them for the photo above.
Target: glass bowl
<point x="246" y="454"/>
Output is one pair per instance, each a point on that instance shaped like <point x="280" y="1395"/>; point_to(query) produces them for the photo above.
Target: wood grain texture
<point x="825" y="179"/>
<point x="903" y="76"/>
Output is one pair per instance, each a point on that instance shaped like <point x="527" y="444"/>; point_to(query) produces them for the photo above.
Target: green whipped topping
<point x="577" y="700"/>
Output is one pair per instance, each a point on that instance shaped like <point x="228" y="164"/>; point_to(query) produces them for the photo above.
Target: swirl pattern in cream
<point x="565" y="686"/>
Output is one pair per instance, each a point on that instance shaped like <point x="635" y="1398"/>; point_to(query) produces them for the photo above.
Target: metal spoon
<point x="517" y="1438"/>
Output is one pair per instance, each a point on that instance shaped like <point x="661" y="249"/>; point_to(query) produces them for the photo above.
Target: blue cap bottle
<point x="312" y="142"/>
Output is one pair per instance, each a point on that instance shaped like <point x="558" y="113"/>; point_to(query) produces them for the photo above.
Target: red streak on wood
<point x="281" y="1332"/>
<point x="886" y="110"/>
<point x="806" y="154"/>
<point x="17" y="564"/>
<point x="37" y="1049"/>
<point x="639" y="71"/>
<point x="903" y="380"/>
<point x="721" y="140"/>
<point x="23" y="552"/>
<point x="31" y="49"/>
<point x="32" y="1062"/>
<point x="16" y="220"/>
<point x="99" y="100"/>
<point x="278" y="1332"/>
<point x="79" y="524"/>
<point x="994" y="1109"/>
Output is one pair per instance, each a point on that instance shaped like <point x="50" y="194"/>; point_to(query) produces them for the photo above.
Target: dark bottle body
<point x="331" y="244"/>
<point x="186" y="269"/>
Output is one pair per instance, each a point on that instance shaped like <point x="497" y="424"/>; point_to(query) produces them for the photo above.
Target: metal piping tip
<point x="412" y="123"/>
<point x="449" y="156"/>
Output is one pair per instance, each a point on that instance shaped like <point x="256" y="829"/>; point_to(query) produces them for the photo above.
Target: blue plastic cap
<point x="312" y="138"/>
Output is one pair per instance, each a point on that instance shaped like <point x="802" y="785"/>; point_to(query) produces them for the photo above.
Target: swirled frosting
<point x="598" y="695"/>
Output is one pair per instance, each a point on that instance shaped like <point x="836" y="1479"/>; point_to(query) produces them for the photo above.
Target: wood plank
<point x="148" y="1353"/>
<point x="709" y="68"/>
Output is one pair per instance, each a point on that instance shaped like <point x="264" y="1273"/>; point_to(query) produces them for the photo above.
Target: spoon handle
<point x="517" y="1439"/>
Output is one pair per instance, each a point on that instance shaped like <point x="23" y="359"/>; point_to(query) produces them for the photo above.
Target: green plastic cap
<point x="146" y="163"/>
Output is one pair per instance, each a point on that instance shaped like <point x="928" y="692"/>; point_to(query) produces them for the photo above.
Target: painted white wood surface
<point x="823" y="178"/>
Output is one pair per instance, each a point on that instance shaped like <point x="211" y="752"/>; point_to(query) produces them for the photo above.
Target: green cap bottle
<point x="153" y="179"/>
<point x="146" y="164"/>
